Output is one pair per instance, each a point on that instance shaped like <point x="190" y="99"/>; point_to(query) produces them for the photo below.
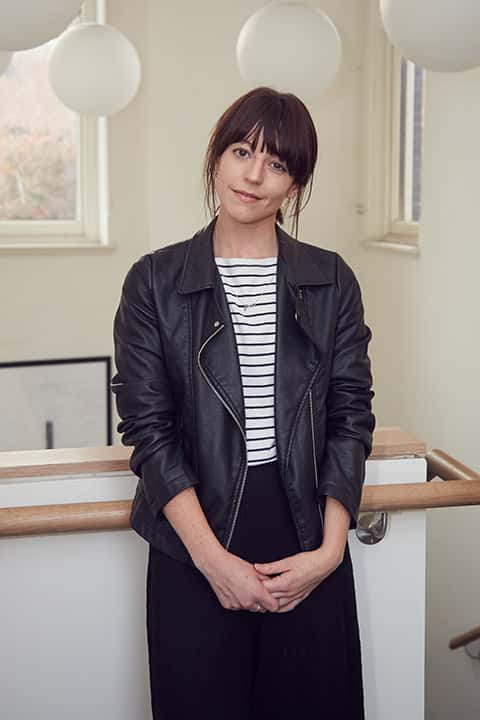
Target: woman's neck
<point x="242" y="240"/>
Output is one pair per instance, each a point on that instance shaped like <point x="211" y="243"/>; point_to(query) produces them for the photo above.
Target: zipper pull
<point x="299" y="298"/>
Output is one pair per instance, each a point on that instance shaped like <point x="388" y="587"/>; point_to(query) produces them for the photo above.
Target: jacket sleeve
<point x="349" y="419"/>
<point x="144" y="399"/>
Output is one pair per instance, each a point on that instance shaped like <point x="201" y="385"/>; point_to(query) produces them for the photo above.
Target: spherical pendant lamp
<point x="439" y="35"/>
<point x="290" y="47"/>
<point x="25" y="24"/>
<point x="94" y="69"/>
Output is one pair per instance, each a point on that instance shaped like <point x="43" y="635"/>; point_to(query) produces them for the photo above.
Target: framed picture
<point x="55" y="403"/>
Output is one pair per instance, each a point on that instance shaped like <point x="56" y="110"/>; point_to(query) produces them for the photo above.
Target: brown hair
<point x="289" y="132"/>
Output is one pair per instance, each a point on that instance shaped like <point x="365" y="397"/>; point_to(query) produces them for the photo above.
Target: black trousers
<point x="207" y="661"/>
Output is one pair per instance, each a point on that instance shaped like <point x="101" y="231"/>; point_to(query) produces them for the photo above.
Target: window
<point x="410" y="140"/>
<point x="53" y="189"/>
<point x="394" y="119"/>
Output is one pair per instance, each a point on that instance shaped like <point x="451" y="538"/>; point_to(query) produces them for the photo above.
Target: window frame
<point x="381" y="204"/>
<point x="91" y="228"/>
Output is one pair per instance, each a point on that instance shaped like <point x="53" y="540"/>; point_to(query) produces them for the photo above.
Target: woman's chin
<point x="243" y="214"/>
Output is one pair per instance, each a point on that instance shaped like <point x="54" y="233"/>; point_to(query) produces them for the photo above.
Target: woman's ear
<point x="292" y="192"/>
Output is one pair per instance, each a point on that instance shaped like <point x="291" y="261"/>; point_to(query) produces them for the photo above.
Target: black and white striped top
<point x="254" y="280"/>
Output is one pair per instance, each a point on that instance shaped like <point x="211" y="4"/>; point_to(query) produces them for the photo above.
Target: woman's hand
<point x="237" y="584"/>
<point x="299" y="575"/>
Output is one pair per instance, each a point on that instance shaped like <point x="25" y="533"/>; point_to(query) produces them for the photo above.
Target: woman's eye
<point x="243" y="152"/>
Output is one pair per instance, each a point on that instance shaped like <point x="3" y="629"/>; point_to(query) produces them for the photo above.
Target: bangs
<point x="271" y="139"/>
<point x="287" y="132"/>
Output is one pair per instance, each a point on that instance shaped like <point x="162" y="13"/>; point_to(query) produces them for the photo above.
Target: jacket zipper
<point x="312" y="425"/>
<point x="314" y="454"/>
<point x="237" y="507"/>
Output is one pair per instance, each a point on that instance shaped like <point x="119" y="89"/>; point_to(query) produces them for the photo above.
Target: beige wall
<point x="425" y="309"/>
<point x="425" y="354"/>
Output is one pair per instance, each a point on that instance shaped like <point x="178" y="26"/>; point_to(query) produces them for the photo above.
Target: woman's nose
<point x="255" y="170"/>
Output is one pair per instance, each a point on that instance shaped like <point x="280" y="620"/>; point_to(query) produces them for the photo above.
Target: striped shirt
<point x="254" y="280"/>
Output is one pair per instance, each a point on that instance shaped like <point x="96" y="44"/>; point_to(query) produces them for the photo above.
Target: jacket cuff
<point x="346" y="501"/>
<point x="158" y="491"/>
<point x="342" y="473"/>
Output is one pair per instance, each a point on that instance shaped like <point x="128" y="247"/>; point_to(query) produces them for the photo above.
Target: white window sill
<point x="55" y="247"/>
<point x="403" y="247"/>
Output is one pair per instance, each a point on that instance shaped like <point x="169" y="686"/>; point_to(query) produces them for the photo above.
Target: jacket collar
<point x="302" y="261"/>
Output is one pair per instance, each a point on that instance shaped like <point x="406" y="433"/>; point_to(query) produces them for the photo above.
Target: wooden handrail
<point x="388" y="442"/>
<point x="64" y="517"/>
<point x="64" y="461"/>
<point x="446" y="467"/>
<point x="465" y="638"/>
<point x="417" y="496"/>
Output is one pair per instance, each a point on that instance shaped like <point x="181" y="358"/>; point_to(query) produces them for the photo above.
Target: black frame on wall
<point x="74" y="360"/>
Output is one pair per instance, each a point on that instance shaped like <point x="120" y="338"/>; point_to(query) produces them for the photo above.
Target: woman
<point x="243" y="384"/>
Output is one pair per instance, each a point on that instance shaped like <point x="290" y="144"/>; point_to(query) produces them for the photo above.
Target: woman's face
<point x="264" y="176"/>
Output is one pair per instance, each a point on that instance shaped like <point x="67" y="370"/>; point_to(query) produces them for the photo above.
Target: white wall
<point x="425" y="350"/>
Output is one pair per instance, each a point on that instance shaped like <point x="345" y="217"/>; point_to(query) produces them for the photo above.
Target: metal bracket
<point x="371" y="527"/>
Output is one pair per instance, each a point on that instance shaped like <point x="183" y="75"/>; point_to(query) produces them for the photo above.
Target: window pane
<point x="38" y="143"/>
<point x="411" y="137"/>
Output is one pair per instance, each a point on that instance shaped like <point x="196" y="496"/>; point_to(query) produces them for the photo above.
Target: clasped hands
<point x="241" y="585"/>
<point x="295" y="577"/>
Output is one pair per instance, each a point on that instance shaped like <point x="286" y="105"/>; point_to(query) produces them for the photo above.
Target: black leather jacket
<point x="179" y="392"/>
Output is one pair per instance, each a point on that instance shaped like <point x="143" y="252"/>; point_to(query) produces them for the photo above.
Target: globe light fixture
<point x="438" y="35"/>
<point x="94" y="69"/>
<point x="290" y="47"/>
<point x="28" y="23"/>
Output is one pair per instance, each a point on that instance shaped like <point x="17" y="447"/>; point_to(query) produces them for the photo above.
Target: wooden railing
<point x="465" y="638"/>
<point x="63" y="517"/>
<point x="444" y="466"/>
<point x="388" y="443"/>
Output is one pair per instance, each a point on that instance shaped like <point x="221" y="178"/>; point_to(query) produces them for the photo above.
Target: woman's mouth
<point x="246" y="197"/>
